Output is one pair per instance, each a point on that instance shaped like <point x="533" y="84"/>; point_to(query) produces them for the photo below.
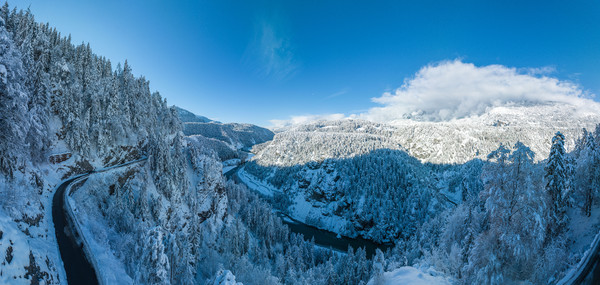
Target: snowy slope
<point x="458" y="141"/>
<point x="408" y="275"/>
<point x="455" y="141"/>
<point x="328" y="169"/>
<point x="236" y="136"/>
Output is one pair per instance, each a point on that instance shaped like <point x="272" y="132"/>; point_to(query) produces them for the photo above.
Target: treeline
<point x="383" y="195"/>
<point x="524" y="218"/>
<point x="484" y="222"/>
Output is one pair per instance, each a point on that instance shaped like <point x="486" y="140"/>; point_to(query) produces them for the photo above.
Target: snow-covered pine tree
<point x="378" y="266"/>
<point x="588" y="171"/>
<point x="514" y="230"/>
<point x="555" y="178"/>
<point x="13" y="105"/>
<point x="154" y="257"/>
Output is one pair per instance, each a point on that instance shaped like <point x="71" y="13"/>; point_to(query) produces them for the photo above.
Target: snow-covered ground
<point x="257" y="184"/>
<point x="225" y="277"/>
<point x="27" y="228"/>
<point x="301" y="209"/>
<point x="110" y="269"/>
<point x="583" y="229"/>
<point x="585" y="232"/>
<point x="230" y="164"/>
<point x="97" y="233"/>
<point x="409" y="275"/>
<point x="17" y="250"/>
<point x="319" y="216"/>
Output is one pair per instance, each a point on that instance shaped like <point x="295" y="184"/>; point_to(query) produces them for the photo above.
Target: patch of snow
<point x="14" y="251"/>
<point x="227" y="168"/>
<point x="409" y="275"/>
<point x="320" y="217"/>
<point x="257" y="184"/>
<point x="225" y="277"/>
<point x="111" y="269"/>
<point x="3" y="73"/>
<point x="583" y="229"/>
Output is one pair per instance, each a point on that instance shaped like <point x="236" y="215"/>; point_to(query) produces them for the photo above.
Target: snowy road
<point x="70" y="243"/>
<point x="78" y="268"/>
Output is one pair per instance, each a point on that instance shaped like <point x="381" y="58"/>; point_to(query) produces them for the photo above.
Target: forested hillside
<point x="482" y="221"/>
<point x="227" y="140"/>
<point x="172" y="219"/>
<point x="58" y="98"/>
<point x="506" y="196"/>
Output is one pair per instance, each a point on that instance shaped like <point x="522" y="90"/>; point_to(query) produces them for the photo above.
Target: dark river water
<point x="321" y="237"/>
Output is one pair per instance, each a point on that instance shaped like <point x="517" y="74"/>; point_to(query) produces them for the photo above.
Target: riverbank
<point x="323" y="238"/>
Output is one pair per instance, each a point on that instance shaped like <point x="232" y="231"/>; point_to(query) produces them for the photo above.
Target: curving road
<point x="70" y="244"/>
<point x="78" y="268"/>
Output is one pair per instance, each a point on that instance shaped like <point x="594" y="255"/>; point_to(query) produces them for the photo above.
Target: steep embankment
<point x="66" y="110"/>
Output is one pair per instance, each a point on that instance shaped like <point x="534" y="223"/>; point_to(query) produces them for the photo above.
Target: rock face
<point x="58" y="158"/>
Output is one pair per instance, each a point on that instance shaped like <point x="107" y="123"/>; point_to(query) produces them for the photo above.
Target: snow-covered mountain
<point x="352" y="177"/>
<point x="225" y="139"/>
<point x="419" y="182"/>
<point x="329" y="163"/>
<point x="455" y="141"/>
<point x="460" y="140"/>
<point x="188" y="117"/>
<point x="66" y="111"/>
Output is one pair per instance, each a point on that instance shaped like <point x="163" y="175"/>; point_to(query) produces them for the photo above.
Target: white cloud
<point x="299" y="120"/>
<point x="453" y="89"/>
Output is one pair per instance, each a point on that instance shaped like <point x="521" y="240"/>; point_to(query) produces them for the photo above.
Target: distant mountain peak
<point x="188" y="117"/>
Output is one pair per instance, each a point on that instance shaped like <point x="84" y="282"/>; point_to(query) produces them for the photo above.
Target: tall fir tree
<point x="556" y="184"/>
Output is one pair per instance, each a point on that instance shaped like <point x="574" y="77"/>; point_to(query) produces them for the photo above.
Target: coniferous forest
<point x="158" y="195"/>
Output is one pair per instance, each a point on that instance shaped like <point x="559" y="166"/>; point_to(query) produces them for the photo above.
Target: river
<point x="321" y="237"/>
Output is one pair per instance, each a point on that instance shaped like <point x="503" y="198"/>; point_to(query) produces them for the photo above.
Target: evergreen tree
<point x="378" y="267"/>
<point x="14" y="119"/>
<point x="155" y="259"/>
<point x="556" y="183"/>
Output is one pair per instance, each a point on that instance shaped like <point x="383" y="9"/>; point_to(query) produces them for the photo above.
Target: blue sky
<point x="254" y="61"/>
